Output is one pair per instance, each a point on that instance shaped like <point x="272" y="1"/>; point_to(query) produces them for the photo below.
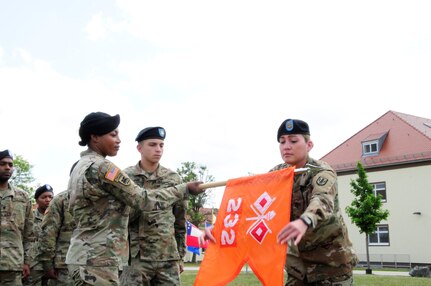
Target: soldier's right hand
<point x="193" y="188"/>
<point x="25" y="270"/>
<point x="51" y="273"/>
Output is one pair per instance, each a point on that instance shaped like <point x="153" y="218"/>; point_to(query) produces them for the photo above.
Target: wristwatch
<point x="307" y="220"/>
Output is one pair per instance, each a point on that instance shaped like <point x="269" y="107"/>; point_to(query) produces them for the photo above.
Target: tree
<point x="365" y="211"/>
<point x="22" y="176"/>
<point x="189" y="172"/>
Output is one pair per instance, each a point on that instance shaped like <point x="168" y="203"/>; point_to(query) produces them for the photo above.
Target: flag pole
<point x="223" y="183"/>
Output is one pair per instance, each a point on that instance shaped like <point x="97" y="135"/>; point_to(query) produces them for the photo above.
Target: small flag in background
<point x="192" y="238"/>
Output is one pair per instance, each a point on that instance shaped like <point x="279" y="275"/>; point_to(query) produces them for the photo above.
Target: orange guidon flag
<point x="252" y="212"/>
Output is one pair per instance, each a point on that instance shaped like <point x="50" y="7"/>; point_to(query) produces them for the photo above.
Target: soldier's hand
<point x="193" y="188"/>
<point x="207" y="235"/>
<point x="25" y="270"/>
<point x="293" y="230"/>
<point x="51" y="274"/>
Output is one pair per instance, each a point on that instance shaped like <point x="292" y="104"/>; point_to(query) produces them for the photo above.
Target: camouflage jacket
<point x="325" y="249"/>
<point x="55" y="233"/>
<point x="16" y="229"/>
<point x="100" y="199"/>
<point x="159" y="234"/>
<point x="34" y="245"/>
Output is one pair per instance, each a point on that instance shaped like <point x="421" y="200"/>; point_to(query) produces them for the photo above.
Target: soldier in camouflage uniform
<point x="100" y="199"/>
<point x="43" y="196"/>
<point x="56" y="231"/>
<point x="319" y="252"/>
<point x="157" y="237"/>
<point x="16" y="227"/>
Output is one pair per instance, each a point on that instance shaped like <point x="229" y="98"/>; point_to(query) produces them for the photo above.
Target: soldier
<point x="43" y="196"/>
<point x="100" y="199"/>
<point x="56" y="231"/>
<point x="319" y="252"/>
<point x="157" y="236"/>
<point x="16" y="227"/>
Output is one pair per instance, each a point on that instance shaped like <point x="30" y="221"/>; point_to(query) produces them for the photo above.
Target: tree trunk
<point x="368" y="270"/>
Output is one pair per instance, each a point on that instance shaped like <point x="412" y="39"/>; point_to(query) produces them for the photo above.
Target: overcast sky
<point x="220" y="76"/>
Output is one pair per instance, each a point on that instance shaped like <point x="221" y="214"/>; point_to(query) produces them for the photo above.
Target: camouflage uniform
<point x="100" y="199"/>
<point x="157" y="237"/>
<point x="325" y="254"/>
<point x="36" y="270"/>
<point x="56" y="231"/>
<point x="16" y="234"/>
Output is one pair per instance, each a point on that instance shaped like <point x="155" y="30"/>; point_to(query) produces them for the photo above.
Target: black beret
<point x="151" y="133"/>
<point x="42" y="189"/>
<point x="293" y="126"/>
<point x="97" y="123"/>
<point x="6" y="153"/>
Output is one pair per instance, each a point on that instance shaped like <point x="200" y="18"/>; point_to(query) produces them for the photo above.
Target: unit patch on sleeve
<point x="122" y="179"/>
<point x="321" y="181"/>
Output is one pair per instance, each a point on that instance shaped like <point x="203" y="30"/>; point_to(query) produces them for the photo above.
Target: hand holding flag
<point x="194" y="238"/>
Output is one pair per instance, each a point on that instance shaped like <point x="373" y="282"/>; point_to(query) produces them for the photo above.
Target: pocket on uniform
<point x="99" y="276"/>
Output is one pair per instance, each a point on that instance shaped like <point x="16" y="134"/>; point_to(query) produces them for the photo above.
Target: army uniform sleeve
<point x="50" y="228"/>
<point x="323" y="195"/>
<point x="179" y="210"/>
<point x="28" y="235"/>
<point x="117" y="183"/>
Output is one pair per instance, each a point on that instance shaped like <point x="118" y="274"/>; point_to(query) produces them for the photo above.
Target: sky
<point x="219" y="76"/>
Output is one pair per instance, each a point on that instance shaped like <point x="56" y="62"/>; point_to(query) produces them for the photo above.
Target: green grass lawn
<point x="188" y="278"/>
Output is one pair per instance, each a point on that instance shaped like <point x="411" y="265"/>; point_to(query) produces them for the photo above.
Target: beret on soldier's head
<point x="293" y="126"/>
<point x="97" y="123"/>
<point x="151" y="133"/>
<point x="43" y="189"/>
<point x="6" y="153"/>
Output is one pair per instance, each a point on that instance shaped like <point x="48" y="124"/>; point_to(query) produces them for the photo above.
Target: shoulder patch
<point x="112" y="172"/>
<point x="321" y="181"/>
<point x="124" y="180"/>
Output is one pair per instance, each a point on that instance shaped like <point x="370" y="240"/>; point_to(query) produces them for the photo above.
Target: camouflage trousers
<point x="151" y="273"/>
<point x="83" y="275"/>
<point x="63" y="279"/>
<point x="10" y="278"/>
<point x="343" y="280"/>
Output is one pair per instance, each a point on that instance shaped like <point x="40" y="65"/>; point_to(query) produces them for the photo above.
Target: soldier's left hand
<point x="294" y="230"/>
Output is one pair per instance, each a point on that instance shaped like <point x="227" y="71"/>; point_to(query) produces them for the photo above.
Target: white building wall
<point x="408" y="190"/>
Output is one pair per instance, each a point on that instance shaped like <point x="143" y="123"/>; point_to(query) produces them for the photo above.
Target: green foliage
<point x="365" y="210"/>
<point x="22" y="177"/>
<point x="189" y="172"/>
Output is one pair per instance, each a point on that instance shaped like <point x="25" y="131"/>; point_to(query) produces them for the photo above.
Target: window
<point x="380" y="189"/>
<point x="380" y="236"/>
<point x="373" y="143"/>
<point x="370" y="148"/>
